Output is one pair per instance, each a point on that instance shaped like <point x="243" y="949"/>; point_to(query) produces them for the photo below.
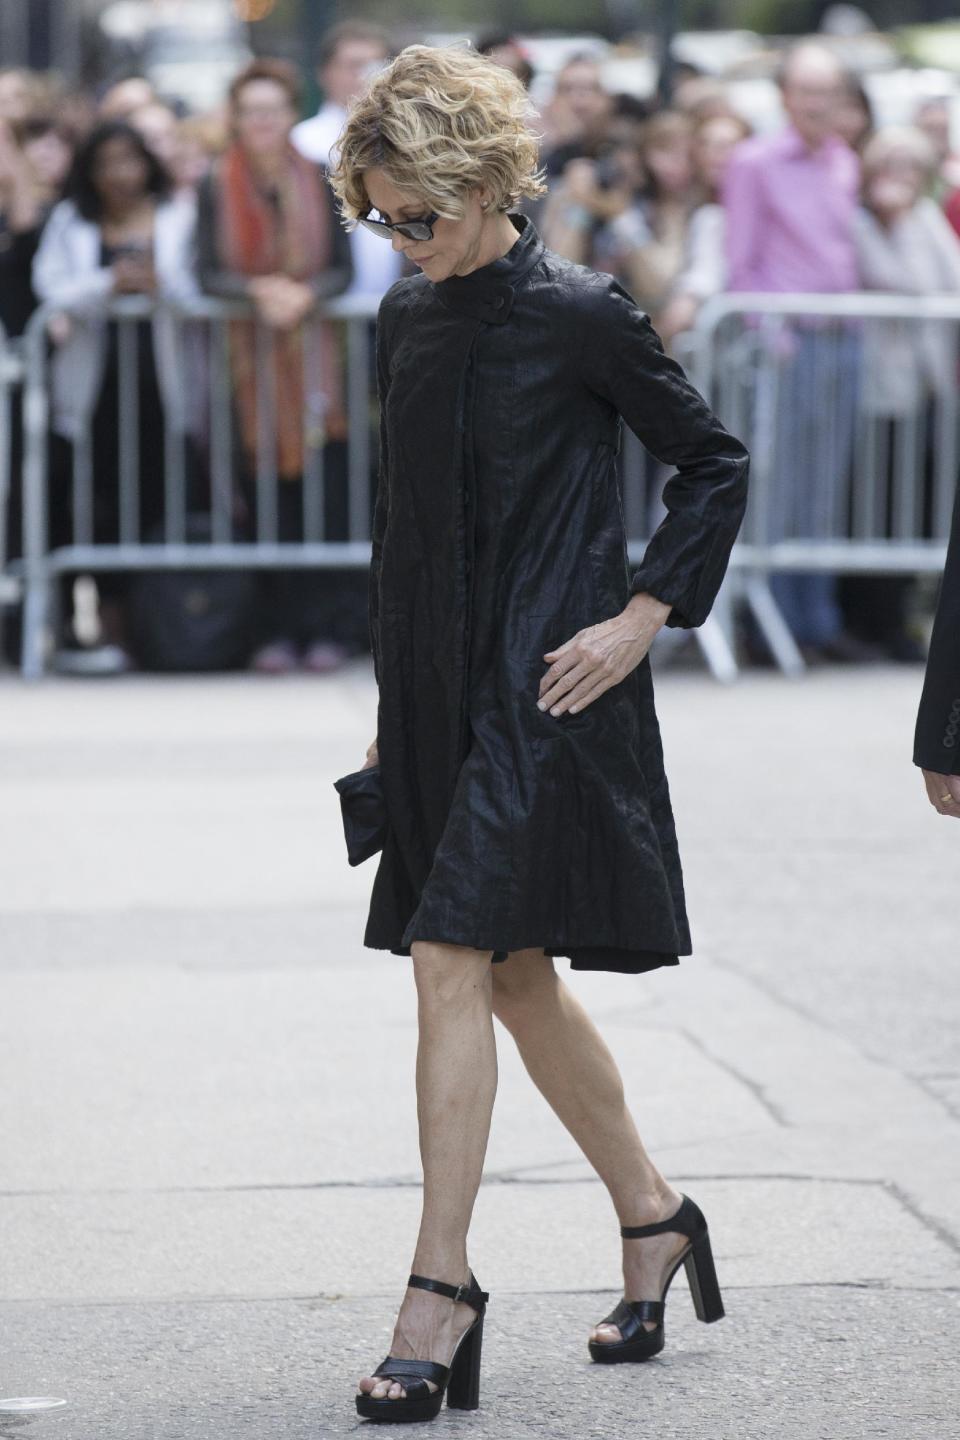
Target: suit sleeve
<point x="626" y="365"/>
<point x="937" y="740"/>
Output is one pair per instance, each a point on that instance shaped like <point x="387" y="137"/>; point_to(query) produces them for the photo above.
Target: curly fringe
<point x="440" y="121"/>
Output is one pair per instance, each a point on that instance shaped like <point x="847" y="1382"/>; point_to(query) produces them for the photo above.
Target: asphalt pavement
<point x="208" y="1162"/>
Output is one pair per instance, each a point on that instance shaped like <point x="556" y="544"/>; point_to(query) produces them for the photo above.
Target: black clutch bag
<point x="364" y="813"/>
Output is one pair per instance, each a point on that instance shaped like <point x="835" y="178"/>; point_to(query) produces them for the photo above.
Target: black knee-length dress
<point x="498" y="535"/>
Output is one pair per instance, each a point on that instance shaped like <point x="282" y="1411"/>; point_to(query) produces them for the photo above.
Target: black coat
<point x="937" y="741"/>
<point x="498" y="534"/>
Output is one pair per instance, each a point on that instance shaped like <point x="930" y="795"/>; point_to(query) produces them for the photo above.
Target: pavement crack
<point x="945" y="1236"/>
<point x="318" y="1298"/>
<point x="925" y="1082"/>
<point x="812" y="1018"/>
<point x="757" y="1090"/>
<point x="400" y="1182"/>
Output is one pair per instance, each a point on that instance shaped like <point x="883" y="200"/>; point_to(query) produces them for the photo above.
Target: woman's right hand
<point x="373" y="757"/>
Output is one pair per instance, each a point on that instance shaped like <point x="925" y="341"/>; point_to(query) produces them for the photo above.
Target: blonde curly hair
<point x="439" y="121"/>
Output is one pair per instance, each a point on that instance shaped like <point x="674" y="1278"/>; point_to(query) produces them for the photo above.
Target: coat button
<point x="949" y="741"/>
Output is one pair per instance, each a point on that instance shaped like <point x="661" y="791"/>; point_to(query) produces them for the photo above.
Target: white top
<point x="376" y="265"/>
<point x="67" y="272"/>
<point x="315" y="137"/>
<point x="704" y="270"/>
<point x="905" y="360"/>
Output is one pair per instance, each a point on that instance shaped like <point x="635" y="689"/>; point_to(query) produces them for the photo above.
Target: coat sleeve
<point x="382" y="504"/>
<point x="937" y="740"/>
<point x="626" y="365"/>
<point x="944" y="242"/>
<point x="214" y="278"/>
<point x="880" y="265"/>
<point x="176" y="278"/>
<point x="56" y="279"/>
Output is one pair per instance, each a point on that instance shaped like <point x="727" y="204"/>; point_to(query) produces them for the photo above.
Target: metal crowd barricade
<point x="885" y="509"/>
<point x="204" y="338"/>
<point x="869" y="485"/>
<point x="11" y="379"/>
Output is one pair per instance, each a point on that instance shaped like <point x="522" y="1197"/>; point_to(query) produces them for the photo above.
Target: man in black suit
<point x="937" y="744"/>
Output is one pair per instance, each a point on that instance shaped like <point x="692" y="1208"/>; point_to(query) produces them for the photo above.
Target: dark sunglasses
<point x="421" y="229"/>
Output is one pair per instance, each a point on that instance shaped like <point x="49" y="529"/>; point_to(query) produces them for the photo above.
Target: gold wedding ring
<point x="946" y="799"/>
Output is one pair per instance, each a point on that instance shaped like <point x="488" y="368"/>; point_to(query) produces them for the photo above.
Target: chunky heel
<point x="459" y="1381"/>
<point x="637" y="1342"/>
<point x="702" y="1278"/>
<point x="463" y="1387"/>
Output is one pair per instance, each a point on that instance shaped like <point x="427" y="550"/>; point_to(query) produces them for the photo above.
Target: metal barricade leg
<point x="773" y="627"/>
<point x="36" y="614"/>
<point x="37" y="576"/>
<point x="715" y="637"/>
<point x="6" y="443"/>
<point x="717" y="652"/>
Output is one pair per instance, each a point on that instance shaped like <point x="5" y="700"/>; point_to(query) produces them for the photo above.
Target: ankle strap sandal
<point x="637" y="1342"/>
<point x="460" y="1380"/>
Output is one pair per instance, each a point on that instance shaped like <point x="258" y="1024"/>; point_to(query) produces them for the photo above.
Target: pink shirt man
<point x="790" y="212"/>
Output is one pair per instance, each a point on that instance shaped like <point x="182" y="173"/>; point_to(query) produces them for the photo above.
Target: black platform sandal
<point x="697" y="1258"/>
<point x="460" y="1379"/>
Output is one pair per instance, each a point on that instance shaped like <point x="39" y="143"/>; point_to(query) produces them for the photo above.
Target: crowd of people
<point x="125" y="194"/>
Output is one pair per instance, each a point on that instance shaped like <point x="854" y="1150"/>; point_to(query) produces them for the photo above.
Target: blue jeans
<point x="815" y="414"/>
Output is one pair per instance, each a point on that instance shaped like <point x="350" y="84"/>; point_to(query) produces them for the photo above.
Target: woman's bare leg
<point x="456" y="1085"/>
<point x="571" y="1065"/>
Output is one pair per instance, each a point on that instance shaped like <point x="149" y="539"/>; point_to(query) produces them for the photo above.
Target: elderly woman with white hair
<point x="905" y="246"/>
<point x="527" y="810"/>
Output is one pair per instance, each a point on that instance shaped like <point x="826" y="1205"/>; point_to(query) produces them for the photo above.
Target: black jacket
<point x="937" y="740"/>
<point x="498" y="535"/>
<point x="226" y="284"/>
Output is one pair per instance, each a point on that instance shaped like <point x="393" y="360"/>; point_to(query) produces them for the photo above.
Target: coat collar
<point x="487" y="293"/>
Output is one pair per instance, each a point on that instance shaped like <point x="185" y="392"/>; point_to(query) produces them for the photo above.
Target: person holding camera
<point x="117" y="233"/>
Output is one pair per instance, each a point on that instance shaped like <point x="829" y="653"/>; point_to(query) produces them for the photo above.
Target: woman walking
<point x="528" y="811"/>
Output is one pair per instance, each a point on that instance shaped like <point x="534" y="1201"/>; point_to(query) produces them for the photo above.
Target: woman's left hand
<point x="601" y="656"/>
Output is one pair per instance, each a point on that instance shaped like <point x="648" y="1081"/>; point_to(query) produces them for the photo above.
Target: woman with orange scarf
<point x="268" y="231"/>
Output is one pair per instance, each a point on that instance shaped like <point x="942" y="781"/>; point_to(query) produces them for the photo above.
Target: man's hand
<point x="600" y="656"/>
<point x="943" y="792"/>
